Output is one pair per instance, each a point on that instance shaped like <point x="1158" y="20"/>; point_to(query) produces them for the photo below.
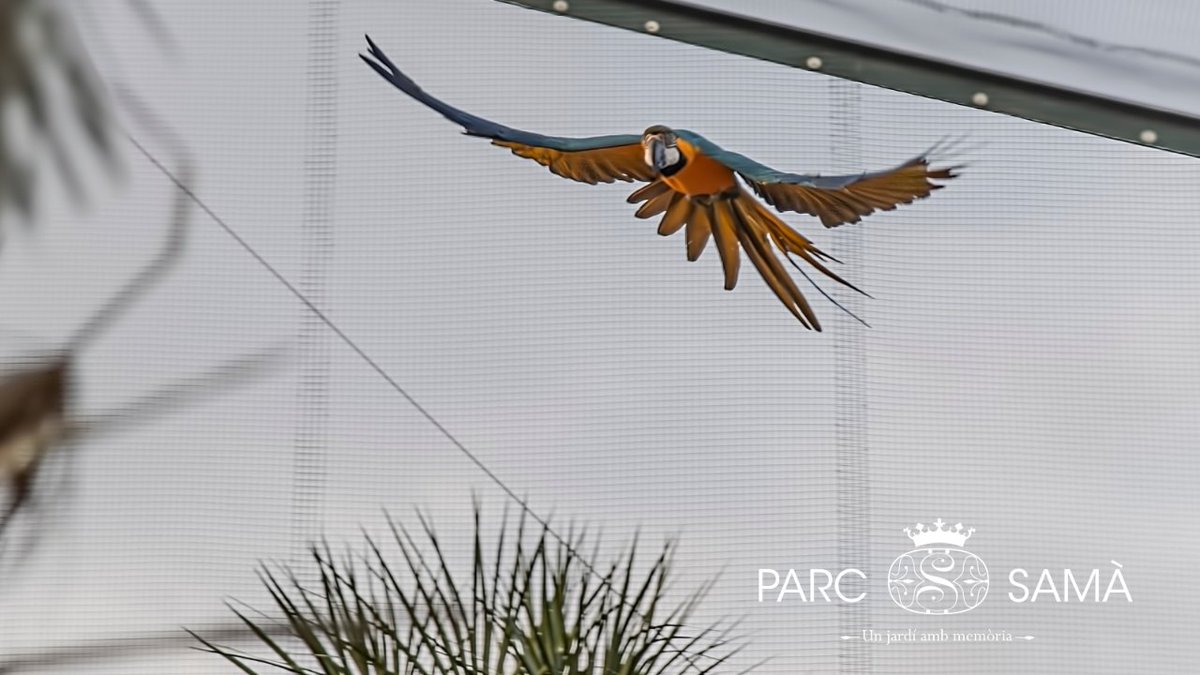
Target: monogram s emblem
<point x="939" y="576"/>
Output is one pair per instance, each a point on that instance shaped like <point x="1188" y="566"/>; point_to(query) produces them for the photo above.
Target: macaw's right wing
<point x="598" y="159"/>
<point x="836" y="200"/>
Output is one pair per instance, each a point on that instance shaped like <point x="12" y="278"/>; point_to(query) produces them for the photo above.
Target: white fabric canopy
<point x="1141" y="52"/>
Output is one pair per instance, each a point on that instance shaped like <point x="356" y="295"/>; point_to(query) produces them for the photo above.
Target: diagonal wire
<point x="391" y="381"/>
<point x="187" y="190"/>
<point x="344" y="337"/>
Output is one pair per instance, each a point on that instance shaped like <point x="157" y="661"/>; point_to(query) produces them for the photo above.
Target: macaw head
<point x="662" y="153"/>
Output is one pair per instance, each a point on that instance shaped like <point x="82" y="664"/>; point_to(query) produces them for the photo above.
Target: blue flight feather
<point x="478" y="126"/>
<point x="756" y="172"/>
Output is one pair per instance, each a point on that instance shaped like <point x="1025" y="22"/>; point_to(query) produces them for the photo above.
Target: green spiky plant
<point x="538" y="607"/>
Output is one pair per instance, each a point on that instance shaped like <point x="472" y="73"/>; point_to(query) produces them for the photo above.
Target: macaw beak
<point x="658" y="152"/>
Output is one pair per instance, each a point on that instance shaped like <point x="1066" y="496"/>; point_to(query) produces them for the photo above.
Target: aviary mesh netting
<point x="1031" y="366"/>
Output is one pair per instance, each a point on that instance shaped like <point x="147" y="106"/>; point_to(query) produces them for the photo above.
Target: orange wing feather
<point x="882" y="191"/>
<point x="602" y="165"/>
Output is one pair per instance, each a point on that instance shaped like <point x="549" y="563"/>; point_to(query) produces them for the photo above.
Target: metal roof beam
<point x="909" y="73"/>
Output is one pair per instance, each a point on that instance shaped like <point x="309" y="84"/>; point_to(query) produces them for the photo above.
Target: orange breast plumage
<point x="701" y="175"/>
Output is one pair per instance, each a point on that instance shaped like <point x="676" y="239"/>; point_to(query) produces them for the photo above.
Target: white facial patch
<point x="672" y="155"/>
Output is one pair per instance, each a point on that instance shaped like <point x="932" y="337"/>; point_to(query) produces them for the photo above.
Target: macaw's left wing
<point x="836" y="200"/>
<point x="598" y="159"/>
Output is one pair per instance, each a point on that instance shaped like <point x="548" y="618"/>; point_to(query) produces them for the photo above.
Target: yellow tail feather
<point x="734" y="219"/>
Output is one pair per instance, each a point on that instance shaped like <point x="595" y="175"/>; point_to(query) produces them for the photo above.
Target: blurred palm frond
<point x="40" y="56"/>
<point x="537" y="607"/>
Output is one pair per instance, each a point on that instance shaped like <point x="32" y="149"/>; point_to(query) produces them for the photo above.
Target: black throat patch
<point x="674" y="168"/>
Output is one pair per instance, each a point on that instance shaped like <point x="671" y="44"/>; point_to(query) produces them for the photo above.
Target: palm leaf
<point x="49" y="83"/>
<point x="533" y="605"/>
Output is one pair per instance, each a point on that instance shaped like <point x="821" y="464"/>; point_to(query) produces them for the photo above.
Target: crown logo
<point x="939" y="534"/>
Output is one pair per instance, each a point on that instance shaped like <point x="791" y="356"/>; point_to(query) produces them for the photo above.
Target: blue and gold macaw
<point x="693" y="183"/>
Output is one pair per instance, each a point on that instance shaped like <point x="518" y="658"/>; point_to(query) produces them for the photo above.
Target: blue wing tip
<point x="374" y="50"/>
<point x="380" y="63"/>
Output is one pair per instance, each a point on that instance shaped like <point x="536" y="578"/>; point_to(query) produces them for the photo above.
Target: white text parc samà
<point x="851" y="585"/>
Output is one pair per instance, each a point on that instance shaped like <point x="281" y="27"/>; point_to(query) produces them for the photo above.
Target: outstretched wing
<point x="598" y="159"/>
<point x="836" y="200"/>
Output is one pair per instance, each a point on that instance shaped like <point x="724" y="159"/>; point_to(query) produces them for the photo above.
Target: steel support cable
<point x="374" y="365"/>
